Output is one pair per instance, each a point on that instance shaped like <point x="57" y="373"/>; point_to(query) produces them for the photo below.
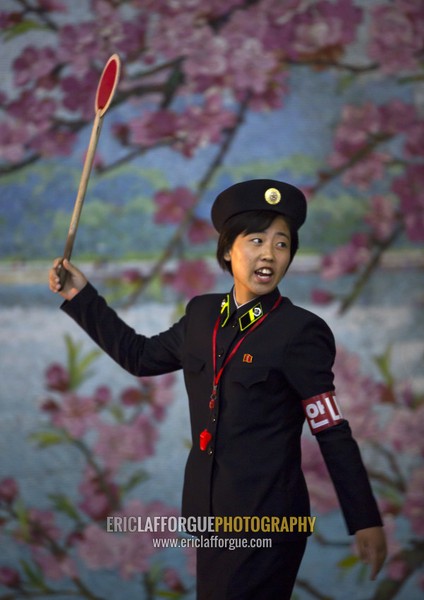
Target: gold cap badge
<point x="272" y="196"/>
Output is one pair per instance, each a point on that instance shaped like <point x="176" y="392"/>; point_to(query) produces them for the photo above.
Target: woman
<point x="254" y="366"/>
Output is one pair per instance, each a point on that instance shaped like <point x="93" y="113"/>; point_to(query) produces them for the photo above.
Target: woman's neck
<point x="239" y="305"/>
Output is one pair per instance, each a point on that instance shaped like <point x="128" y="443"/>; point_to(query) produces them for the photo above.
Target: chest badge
<point x="247" y="358"/>
<point x="251" y="316"/>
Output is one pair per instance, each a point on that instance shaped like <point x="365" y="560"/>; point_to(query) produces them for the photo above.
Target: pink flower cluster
<point x="227" y="52"/>
<point x="186" y="130"/>
<point x="111" y="438"/>
<point x="116" y="443"/>
<point x="128" y="553"/>
<point x="410" y="189"/>
<point x="191" y="278"/>
<point x="363" y="130"/>
<point x="367" y="142"/>
<point x="347" y="258"/>
<point x="397" y="31"/>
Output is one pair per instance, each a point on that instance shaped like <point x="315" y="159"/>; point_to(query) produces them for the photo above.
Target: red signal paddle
<point x="105" y="91"/>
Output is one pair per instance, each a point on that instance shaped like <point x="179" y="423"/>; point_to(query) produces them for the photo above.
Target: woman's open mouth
<point x="264" y="274"/>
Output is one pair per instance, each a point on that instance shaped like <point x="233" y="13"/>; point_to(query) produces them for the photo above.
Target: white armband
<point x="322" y="411"/>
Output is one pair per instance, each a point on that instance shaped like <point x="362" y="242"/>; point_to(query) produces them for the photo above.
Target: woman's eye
<point x="257" y="240"/>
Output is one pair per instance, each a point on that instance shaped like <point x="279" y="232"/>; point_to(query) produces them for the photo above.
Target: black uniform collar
<point x="250" y="312"/>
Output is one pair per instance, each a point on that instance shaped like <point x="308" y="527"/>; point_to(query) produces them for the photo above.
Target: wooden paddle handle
<point x="88" y="163"/>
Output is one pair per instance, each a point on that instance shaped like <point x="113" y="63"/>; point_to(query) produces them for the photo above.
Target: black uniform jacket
<point x="252" y="465"/>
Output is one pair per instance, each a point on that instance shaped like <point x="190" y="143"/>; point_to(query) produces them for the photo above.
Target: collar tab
<point x="251" y="316"/>
<point x="225" y="310"/>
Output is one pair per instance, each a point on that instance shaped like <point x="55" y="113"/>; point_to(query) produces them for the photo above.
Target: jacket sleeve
<point x="309" y="363"/>
<point x="138" y="354"/>
<point x="344" y="463"/>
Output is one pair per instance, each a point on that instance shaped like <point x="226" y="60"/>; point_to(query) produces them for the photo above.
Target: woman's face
<point x="259" y="260"/>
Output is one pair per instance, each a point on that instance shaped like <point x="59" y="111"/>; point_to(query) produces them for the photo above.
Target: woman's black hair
<point x="250" y="222"/>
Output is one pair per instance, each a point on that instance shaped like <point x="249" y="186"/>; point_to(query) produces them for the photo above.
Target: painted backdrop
<point x="326" y="94"/>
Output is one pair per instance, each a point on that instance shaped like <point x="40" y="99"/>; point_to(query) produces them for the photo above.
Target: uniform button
<point x="210" y="450"/>
<point x="213" y="418"/>
<point x="220" y="352"/>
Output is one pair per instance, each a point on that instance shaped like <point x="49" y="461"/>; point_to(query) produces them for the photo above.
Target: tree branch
<point x="203" y="183"/>
<point x="373" y="263"/>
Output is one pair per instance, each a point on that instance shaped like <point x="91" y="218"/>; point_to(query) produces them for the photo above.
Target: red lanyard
<point x="206" y="436"/>
<point x="217" y="375"/>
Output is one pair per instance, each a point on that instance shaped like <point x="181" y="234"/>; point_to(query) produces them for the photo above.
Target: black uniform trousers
<point x="249" y="573"/>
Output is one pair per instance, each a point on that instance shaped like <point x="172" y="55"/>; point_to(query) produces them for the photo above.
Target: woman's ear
<point x="227" y="255"/>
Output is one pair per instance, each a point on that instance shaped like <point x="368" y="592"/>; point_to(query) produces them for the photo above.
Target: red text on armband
<point x="322" y="411"/>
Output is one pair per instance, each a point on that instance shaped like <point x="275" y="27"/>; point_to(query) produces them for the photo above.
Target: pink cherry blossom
<point x="33" y="63"/>
<point x="320" y="296"/>
<point x="192" y="277"/>
<point x="361" y="133"/>
<point x="272" y="98"/>
<point x="102" y="396"/>
<point x="120" y="443"/>
<point x="41" y="526"/>
<point x="99" y="549"/>
<point x="368" y="170"/>
<point x="206" y="56"/>
<point x="347" y="258"/>
<point x="59" y="142"/>
<point x="200" y="231"/>
<point x="354" y="392"/>
<point x="36" y="112"/>
<point x="76" y="414"/>
<point x="53" y="5"/>
<point x="414" y="145"/>
<point x="172" y="580"/>
<point x="132" y="396"/>
<point x="200" y="125"/>
<point x="398" y="117"/>
<point x="324" y="25"/>
<point x="396" y="35"/>
<point x="55" y="567"/>
<point x="410" y="189"/>
<point x="10" y="577"/>
<point x="405" y="431"/>
<point x="78" y="47"/>
<point x="397" y="569"/>
<point x="381" y="217"/>
<point x="79" y="93"/>
<point x="12" y="141"/>
<point x="8" y="490"/>
<point x="172" y="205"/>
<point x="57" y="378"/>
<point x="99" y="495"/>
<point x="152" y="127"/>
<point x="136" y="549"/>
<point x="163" y="395"/>
<point x="357" y="123"/>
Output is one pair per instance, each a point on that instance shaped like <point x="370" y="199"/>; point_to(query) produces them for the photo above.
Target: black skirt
<point x="249" y="573"/>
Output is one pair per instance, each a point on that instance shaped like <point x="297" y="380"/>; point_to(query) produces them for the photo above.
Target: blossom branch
<point x="379" y="249"/>
<point x="169" y="250"/>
